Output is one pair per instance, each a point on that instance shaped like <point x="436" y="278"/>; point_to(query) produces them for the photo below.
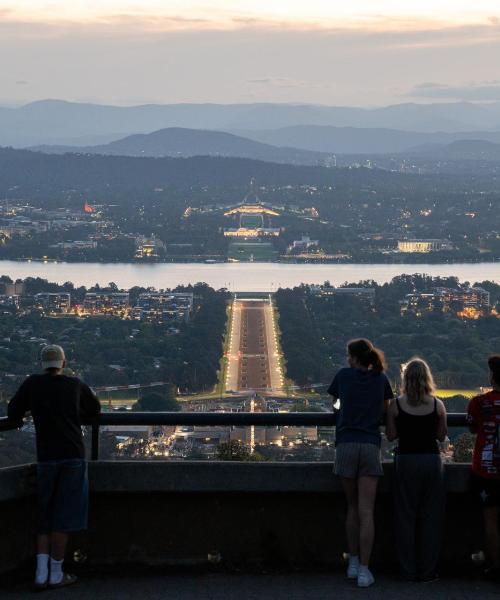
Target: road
<point x="253" y="358"/>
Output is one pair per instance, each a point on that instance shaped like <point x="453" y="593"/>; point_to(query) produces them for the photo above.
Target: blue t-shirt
<point x="362" y="395"/>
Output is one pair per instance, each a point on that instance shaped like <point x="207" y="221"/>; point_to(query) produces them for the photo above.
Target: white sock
<point x="353" y="560"/>
<point x="56" y="572"/>
<point x="42" y="568"/>
<point x="364" y="569"/>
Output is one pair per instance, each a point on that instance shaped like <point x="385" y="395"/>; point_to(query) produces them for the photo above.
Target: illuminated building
<point x="467" y="303"/>
<point x="254" y="221"/>
<point x="251" y="209"/>
<point x="148" y="248"/>
<point x="424" y="245"/>
<point x="53" y="302"/>
<point x="110" y="303"/>
<point x="366" y="295"/>
<point x="247" y="232"/>
<point x="163" y="307"/>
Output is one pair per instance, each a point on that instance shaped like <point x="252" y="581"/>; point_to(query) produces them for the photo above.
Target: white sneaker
<point x="365" y="578"/>
<point x="353" y="570"/>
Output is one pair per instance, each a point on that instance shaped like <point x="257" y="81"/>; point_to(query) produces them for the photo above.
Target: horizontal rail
<point x="212" y="420"/>
<point x="241" y="419"/>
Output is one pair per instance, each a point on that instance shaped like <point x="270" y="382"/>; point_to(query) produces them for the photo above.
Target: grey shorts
<point x="354" y="459"/>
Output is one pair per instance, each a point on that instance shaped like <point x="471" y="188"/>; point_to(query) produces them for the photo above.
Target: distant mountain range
<point x="180" y="142"/>
<point x="70" y="123"/>
<point x="478" y="150"/>
<point x="355" y="140"/>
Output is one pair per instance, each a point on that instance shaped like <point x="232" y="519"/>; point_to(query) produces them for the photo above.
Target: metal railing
<point x="294" y="419"/>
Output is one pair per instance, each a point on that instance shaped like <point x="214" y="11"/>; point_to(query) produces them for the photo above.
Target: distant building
<point x="248" y="232"/>
<point x="53" y="302"/>
<point x="304" y="244"/>
<point x="76" y="245"/>
<point x="366" y="295"/>
<point x="11" y="289"/>
<point x="148" y="247"/>
<point x="254" y="221"/>
<point x="468" y="303"/>
<point x="424" y="245"/>
<point x="111" y="303"/>
<point x="330" y="161"/>
<point x="163" y="307"/>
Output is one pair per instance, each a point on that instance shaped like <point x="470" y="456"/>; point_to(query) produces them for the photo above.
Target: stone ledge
<point x="210" y="477"/>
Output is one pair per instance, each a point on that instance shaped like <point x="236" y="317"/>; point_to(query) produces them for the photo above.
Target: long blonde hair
<point x="418" y="382"/>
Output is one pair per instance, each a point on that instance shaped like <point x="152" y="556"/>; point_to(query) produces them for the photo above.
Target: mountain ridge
<point x="44" y="121"/>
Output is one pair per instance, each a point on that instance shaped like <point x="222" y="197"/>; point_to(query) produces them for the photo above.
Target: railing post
<point x="95" y="441"/>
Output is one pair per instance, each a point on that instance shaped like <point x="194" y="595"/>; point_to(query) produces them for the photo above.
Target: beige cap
<point x="52" y="357"/>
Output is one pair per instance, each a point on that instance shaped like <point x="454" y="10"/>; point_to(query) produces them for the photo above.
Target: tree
<point x="155" y="402"/>
<point x="237" y="451"/>
<point x="464" y="446"/>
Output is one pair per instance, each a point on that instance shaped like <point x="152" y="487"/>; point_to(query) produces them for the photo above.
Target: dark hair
<point x="367" y="355"/>
<point x="494" y="365"/>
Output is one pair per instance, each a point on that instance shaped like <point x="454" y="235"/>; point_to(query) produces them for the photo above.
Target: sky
<point x="358" y="53"/>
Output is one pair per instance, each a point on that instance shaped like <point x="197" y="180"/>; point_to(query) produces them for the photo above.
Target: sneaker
<point x="353" y="570"/>
<point x="365" y="578"/>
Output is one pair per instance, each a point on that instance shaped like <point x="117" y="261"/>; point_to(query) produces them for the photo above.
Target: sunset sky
<point x="360" y="52"/>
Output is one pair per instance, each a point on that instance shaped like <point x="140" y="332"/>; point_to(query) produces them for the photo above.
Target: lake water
<point x="236" y="276"/>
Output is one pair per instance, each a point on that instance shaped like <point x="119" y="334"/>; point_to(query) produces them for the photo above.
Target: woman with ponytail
<point x="363" y="391"/>
<point x="417" y="419"/>
<point x="484" y="420"/>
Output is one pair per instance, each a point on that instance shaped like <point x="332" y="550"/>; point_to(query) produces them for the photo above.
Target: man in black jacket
<point x="58" y="405"/>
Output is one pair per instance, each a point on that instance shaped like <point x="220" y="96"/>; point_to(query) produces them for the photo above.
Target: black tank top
<point x="417" y="434"/>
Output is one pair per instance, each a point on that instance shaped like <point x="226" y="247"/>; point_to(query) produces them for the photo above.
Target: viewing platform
<point x="189" y="529"/>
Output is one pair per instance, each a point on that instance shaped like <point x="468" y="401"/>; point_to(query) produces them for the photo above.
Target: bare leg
<point x="43" y="544"/>
<point x="490" y="514"/>
<point x="58" y="542"/>
<point x="350" y="487"/>
<point x="367" y="491"/>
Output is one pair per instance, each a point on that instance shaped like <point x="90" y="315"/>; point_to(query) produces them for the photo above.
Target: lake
<point x="236" y="276"/>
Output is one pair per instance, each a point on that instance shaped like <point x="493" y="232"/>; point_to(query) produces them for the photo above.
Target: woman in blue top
<point x="363" y="391"/>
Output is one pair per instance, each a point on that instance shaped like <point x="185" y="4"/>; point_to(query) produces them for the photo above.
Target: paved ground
<point x="258" y="587"/>
<point x="253" y="361"/>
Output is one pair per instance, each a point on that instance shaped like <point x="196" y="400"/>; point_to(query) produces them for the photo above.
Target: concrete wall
<point x="238" y="515"/>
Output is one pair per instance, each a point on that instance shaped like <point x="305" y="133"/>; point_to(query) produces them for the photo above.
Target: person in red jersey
<point x="484" y="420"/>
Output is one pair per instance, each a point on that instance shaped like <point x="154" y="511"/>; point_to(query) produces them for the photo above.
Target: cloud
<point x="482" y="91"/>
<point x="287" y="82"/>
<point x="22" y="82"/>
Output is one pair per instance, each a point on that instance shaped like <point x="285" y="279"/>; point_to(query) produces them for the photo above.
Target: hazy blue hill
<point x="357" y="140"/>
<point x="476" y="150"/>
<point x="56" y="121"/>
<point x="181" y="142"/>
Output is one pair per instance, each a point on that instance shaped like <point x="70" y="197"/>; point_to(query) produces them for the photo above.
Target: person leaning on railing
<point x="363" y="391"/>
<point x="417" y="419"/>
<point x="58" y="405"/>
<point x="484" y="420"/>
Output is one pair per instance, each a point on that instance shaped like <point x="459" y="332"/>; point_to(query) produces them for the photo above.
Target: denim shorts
<point x="356" y="459"/>
<point x="63" y="492"/>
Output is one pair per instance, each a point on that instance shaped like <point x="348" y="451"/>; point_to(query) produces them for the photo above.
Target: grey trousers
<point x="419" y="513"/>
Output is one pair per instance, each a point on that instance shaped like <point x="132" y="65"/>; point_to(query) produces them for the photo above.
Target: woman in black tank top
<point x="418" y="421"/>
<point x="417" y="434"/>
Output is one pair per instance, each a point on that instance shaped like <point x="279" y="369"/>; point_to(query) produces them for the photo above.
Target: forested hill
<point x="24" y="172"/>
<point x="177" y="142"/>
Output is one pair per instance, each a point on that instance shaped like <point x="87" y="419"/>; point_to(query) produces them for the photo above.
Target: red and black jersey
<point x="484" y="416"/>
